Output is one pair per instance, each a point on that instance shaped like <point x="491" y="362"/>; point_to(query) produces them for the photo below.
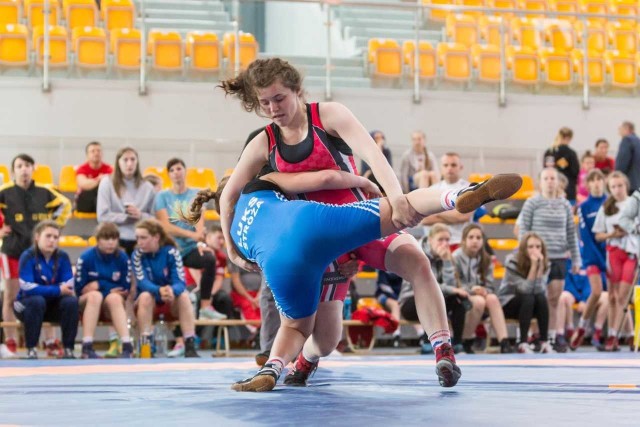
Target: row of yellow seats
<point x="76" y="13"/>
<point x="91" y="48"/>
<point x="534" y="33"/>
<point x="526" y="190"/>
<point x="544" y="8"/>
<point x="458" y="63"/>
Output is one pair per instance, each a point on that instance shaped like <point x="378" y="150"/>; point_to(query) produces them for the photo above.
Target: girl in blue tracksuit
<point x="103" y="281"/>
<point x="161" y="289"/>
<point x="46" y="289"/>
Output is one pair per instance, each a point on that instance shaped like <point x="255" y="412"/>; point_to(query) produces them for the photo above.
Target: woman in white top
<point x="621" y="253"/>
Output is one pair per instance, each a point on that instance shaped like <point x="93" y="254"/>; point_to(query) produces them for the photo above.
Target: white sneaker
<point x="178" y="351"/>
<point x="546" y="347"/>
<point x="211" y="314"/>
<point x="5" y="353"/>
<point x="524" y="348"/>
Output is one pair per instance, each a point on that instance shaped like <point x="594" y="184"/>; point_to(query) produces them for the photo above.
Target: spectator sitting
<point x="46" y="290"/>
<point x="601" y="155"/>
<point x="561" y="157"/>
<point x="414" y="160"/>
<point x="474" y="269"/>
<point x="522" y="292"/>
<point x="587" y="164"/>
<point x="451" y="170"/>
<point x="125" y="197"/>
<point x="88" y="176"/>
<point x="23" y="204"/>
<point x="160" y="283"/>
<point x="381" y="141"/>
<point x="219" y="300"/>
<point x="103" y="282"/>
<point x="245" y="294"/>
<point x="154" y="180"/>
<point x="388" y="288"/>
<point x="628" y="158"/>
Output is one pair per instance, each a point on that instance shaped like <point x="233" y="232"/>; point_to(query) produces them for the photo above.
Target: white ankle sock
<point x="439" y="338"/>
<point x="276" y="363"/>
<point x="448" y="199"/>
<point x="312" y="358"/>
<point x="87" y="340"/>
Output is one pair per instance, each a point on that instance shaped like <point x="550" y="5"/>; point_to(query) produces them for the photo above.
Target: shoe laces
<point x="445" y="351"/>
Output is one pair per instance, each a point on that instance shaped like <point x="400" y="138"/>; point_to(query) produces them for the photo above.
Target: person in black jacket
<point x="565" y="159"/>
<point x="628" y="158"/>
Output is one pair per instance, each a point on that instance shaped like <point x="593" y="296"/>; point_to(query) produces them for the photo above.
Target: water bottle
<point x="347" y="308"/>
<point x="133" y="335"/>
<point x="145" y="345"/>
<point x="161" y="338"/>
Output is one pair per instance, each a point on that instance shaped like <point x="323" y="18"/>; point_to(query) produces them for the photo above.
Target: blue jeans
<point x="33" y="310"/>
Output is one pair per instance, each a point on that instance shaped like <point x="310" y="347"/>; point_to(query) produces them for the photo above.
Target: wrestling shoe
<point x="127" y="350"/>
<point x="577" y="338"/>
<point x="561" y="344"/>
<point x="114" y="349"/>
<point x="190" y="347"/>
<point x="505" y="346"/>
<point x="211" y="314"/>
<point x="448" y="372"/>
<point x="54" y="349"/>
<point x="302" y="370"/>
<point x="88" y="352"/>
<point x="498" y="187"/>
<point x="262" y="358"/>
<point x="264" y="380"/>
<point x="611" y="344"/>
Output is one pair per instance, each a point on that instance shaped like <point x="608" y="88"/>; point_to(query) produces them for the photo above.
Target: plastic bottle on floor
<point x="161" y="338"/>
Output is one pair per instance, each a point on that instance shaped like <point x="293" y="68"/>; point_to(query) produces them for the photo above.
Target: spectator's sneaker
<point x="498" y="187"/>
<point x="12" y="346"/>
<point x="448" y="372"/>
<point x="427" y="348"/>
<point x="190" y="347"/>
<point x="88" y="352"/>
<point x="68" y="354"/>
<point x="525" y="348"/>
<point x="611" y="344"/>
<point x="344" y="347"/>
<point x="505" y="347"/>
<point x="300" y="373"/>
<point x="32" y="354"/>
<point x="577" y="338"/>
<point x="127" y="350"/>
<point x="264" y="380"/>
<point x="114" y="349"/>
<point x="211" y="314"/>
<point x="468" y="346"/>
<point x="397" y="341"/>
<point x="596" y="338"/>
<point x="5" y="353"/>
<point x="546" y="347"/>
<point x="561" y="344"/>
<point x="568" y="333"/>
<point x="55" y="350"/>
<point x="262" y="358"/>
<point x="177" y="351"/>
<point x="457" y="348"/>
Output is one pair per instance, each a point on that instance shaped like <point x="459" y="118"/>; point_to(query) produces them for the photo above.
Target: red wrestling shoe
<point x="302" y="370"/>
<point x="576" y="339"/>
<point x="448" y="372"/>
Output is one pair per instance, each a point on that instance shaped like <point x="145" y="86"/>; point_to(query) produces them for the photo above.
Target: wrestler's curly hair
<point x="195" y="210"/>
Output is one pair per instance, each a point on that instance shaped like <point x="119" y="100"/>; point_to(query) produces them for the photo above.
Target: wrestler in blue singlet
<point x="293" y="241"/>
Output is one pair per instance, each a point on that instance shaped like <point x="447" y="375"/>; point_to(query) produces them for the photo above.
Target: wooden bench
<point x="347" y="323"/>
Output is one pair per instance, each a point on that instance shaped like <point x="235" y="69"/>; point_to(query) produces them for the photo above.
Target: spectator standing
<point x="601" y="155"/>
<point x="88" y="176"/>
<point x="414" y="160"/>
<point x="587" y="164"/>
<point x="628" y="158"/>
<point x="381" y="142"/>
<point x="125" y="197"/>
<point x="565" y="160"/>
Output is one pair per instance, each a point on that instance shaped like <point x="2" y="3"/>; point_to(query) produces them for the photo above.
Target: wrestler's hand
<point x="241" y="262"/>
<point x="349" y="268"/>
<point x="404" y="215"/>
<point x="371" y="189"/>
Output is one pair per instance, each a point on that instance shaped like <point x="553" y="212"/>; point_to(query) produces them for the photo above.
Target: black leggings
<point x="524" y="308"/>
<point x="207" y="263"/>
<point x="128" y="246"/>
<point x="455" y="312"/>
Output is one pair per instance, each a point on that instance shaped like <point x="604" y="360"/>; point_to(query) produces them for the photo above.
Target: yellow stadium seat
<point x="490" y="29"/>
<point x="438" y="15"/>
<point x="34" y="11"/>
<point x="462" y="29"/>
<point x="503" y="244"/>
<point x="67" y="180"/>
<point x="524" y="64"/>
<point x="80" y="13"/>
<point x="42" y="175"/>
<point x="455" y="60"/>
<point x="526" y="190"/>
<point x="597" y="37"/>
<point x="386" y="57"/>
<point x="5" y="175"/>
<point x="368" y="302"/>
<point x="473" y="3"/>
<point x="560" y="35"/>
<point x="558" y="67"/>
<point x="568" y="6"/>
<point x="166" y="50"/>
<point x="595" y="6"/>
<point x="622" y="68"/>
<point x="10" y="12"/>
<point x="58" y="45"/>
<point x="623" y="36"/>
<point x="203" y="48"/>
<point x="624" y="7"/>
<point x="486" y="61"/>
<point x="479" y="177"/>
<point x="427" y="62"/>
<point x="201" y="178"/>
<point x="118" y="14"/>
<point x="527" y="32"/>
<point x="85" y="215"/>
<point x="211" y="215"/>
<point x="503" y="4"/>
<point x="72" y="242"/>
<point x="534" y="6"/>
<point x="90" y="47"/>
<point x="248" y="49"/>
<point x="161" y="172"/>
<point x="596" y="67"/>
<point x="125" y="46"/>
<point x="14" y="45"/>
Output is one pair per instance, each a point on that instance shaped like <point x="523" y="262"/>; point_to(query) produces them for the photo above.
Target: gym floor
<point x="584" y="388"/>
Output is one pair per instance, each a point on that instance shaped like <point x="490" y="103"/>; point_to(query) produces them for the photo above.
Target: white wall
<point x="196" y="122"/>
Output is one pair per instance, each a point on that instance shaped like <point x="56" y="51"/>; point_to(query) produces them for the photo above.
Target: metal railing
<point x="419" y="10"/>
